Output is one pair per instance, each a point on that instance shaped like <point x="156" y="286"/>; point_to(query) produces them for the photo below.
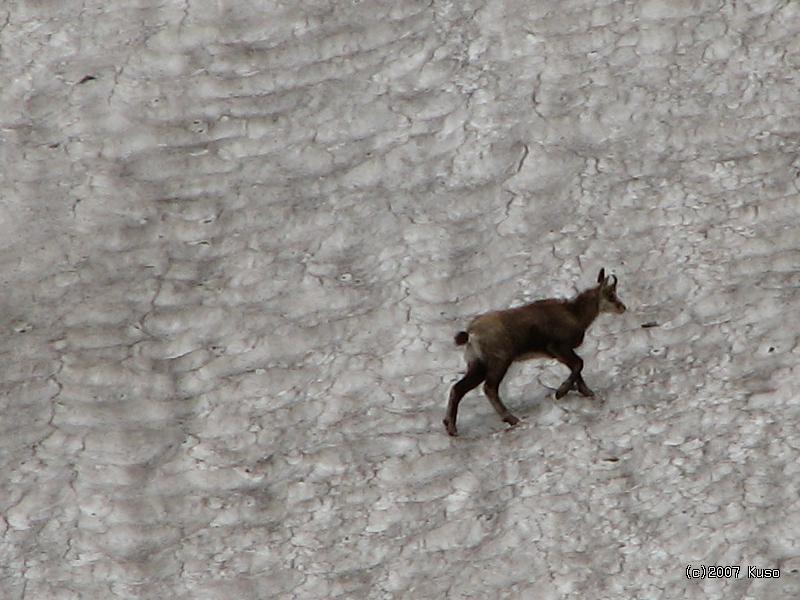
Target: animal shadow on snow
<point x="535" y="409"/>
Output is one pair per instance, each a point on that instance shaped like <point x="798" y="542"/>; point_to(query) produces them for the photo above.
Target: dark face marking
<point x="609" y="301"/>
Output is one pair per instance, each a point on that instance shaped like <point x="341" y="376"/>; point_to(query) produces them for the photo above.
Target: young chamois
<point x="544" y="329"/>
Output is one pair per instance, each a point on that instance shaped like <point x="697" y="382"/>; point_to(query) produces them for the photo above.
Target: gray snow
<point x="238" y="237"/>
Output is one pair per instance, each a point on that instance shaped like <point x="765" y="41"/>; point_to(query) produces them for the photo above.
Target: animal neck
<point x="586" y="306"/>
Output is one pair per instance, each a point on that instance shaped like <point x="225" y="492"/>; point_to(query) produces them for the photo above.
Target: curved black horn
<point x="613" y="283"/>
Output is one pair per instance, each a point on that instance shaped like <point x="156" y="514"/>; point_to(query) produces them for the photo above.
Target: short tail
<point x="461" y="338"/>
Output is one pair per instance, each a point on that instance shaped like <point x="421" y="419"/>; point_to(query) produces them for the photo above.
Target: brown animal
<point x="543" y="329"/>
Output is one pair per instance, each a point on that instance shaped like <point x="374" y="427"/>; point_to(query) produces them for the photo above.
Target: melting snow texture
<point x="238" y="237"/>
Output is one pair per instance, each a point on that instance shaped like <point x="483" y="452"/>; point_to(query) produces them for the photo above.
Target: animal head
<point x="609" y="302"/>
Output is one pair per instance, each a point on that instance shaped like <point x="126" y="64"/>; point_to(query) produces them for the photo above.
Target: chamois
<point x="543" y="329"/>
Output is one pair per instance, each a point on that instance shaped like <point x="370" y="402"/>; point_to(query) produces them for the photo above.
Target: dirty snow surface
<point x="237" y="240"/>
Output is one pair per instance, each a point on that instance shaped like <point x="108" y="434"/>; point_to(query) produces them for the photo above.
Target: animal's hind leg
<point x="476" y="373"/>
<point x="492" y="390"/>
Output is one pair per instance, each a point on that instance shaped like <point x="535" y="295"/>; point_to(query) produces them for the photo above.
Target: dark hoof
<point x="562" y="391"/>
<point x="585" y="391"/>
<point x="451" y="428"/>
<point x="511" y="420"/>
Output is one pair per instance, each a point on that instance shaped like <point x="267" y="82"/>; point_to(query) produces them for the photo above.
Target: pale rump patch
<point x="473" y="349"/>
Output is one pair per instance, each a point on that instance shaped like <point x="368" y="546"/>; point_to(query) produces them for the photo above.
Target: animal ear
<point x="601" y="276"/>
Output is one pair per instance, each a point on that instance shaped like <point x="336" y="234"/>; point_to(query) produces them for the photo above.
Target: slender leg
<point x="492" y="390"/>
<point x="583" y="388"/>
<point x="476" y="373"/>
<point x="565" y="387"/>
<point x="575" y="379"/>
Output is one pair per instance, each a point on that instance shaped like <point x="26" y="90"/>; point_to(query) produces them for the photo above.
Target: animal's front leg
<point x="574" y="383"/>
<point x="574" y="362"/>
<point x="565" y="387"/>
<point x="583" y="389"/>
